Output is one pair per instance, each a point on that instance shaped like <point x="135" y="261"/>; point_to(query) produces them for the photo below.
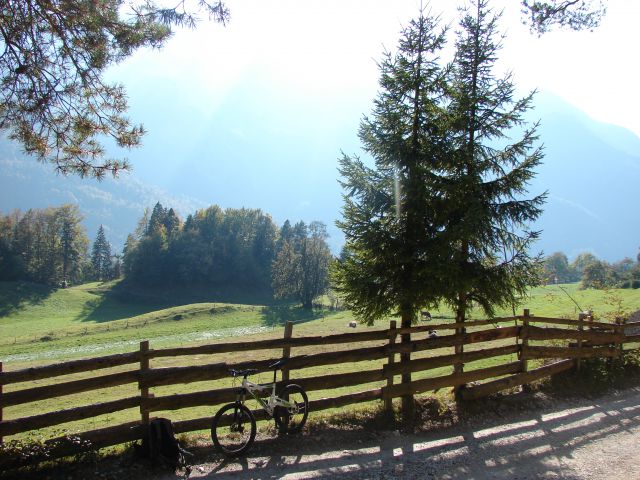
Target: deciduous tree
<point x="301" y="267"/>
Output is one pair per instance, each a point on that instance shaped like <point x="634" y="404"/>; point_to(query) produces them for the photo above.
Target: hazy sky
<point x="329" y="48"/>
<point x="237" y="115"/>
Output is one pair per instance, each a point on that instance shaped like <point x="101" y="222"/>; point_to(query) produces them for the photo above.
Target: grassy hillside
<point x="38" y="323"/>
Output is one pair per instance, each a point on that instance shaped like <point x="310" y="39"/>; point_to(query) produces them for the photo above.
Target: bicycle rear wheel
<point x="233" y="429"/>
<point x="291" y="419"/>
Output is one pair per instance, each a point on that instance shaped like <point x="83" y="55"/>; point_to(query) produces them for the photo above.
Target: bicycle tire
<point x="292" y="420"/>
<point x="232" y="439"/>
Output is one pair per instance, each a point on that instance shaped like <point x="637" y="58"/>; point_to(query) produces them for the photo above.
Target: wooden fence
<point x="507" y="345"/>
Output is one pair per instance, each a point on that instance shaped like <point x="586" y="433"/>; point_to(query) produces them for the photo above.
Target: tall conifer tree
<point x="389" y="209"/>
<point x="486" y="215"/>
<point x="101" y="256"/>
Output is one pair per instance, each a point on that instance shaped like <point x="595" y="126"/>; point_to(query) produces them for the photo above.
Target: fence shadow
<point x="533" y="444"/>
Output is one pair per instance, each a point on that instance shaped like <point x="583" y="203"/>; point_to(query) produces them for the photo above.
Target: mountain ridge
<point x="591" y="170"/>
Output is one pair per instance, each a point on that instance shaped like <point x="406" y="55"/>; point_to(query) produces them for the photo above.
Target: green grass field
<point x="40" y="326"/>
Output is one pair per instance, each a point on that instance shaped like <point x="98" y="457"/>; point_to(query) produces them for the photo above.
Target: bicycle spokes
<point x="233" y="429"/>
<point x="292" y="417"/>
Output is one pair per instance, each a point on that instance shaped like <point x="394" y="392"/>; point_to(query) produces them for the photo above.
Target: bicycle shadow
<point x="531" y="444"/>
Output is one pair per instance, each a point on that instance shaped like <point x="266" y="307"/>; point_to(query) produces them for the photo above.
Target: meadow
<point x="38" y="323"/>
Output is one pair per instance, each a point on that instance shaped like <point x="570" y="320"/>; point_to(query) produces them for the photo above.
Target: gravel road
<point x="576" y="439"/>
<point x="518" y="437"/>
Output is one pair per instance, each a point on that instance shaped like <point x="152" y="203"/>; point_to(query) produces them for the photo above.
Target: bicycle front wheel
<point x="292" y="418"/>
<point x="233" y="429"/>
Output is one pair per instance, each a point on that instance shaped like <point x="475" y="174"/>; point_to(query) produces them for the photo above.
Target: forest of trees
<point x="50" y="246"/>
<point x="232" y="248"/>
<point x="591" y="272"/>
<point x="45" y="246"/>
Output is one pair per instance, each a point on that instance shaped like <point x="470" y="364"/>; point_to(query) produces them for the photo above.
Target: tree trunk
<point x="408" y="408"/>
<point x="459" y="349"/>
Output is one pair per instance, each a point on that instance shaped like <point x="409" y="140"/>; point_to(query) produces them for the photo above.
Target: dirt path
<point x="525" y="436"/>
<point x="568" y="439"/>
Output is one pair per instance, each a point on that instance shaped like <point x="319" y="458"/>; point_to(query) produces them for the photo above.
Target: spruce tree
<point x="73" y="243"/>
<point x="157" y="221"/>
<point x="390" y="265"/>
<point x="101" y="256"/>
<point x="486" y="215"/>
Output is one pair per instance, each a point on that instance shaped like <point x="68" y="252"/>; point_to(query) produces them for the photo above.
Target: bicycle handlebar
<point x="242" y="373"/>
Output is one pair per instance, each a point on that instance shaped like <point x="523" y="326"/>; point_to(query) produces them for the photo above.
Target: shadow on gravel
<point x="526" y="445"/>
<point x="526" y="437"/>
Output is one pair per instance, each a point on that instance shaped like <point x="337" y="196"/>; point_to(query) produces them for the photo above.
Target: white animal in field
<point x="352" y="324"/>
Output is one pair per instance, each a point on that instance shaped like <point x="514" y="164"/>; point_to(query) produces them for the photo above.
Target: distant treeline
<point x="43" y="245"/>
<point x="51" y="246"/>
<point x="232" y="248"/>
<point x="213" y="246"/>
<point x="592" y="272"/>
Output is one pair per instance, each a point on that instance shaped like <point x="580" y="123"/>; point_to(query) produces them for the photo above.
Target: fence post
<point x="524" y="344"/>
<point x="620" y="346"/>
<point x="388" y="399"/>
<point x="144" y="390"/>
<point x="286" y="350"/>
<point x="581" y="317"/>
<point x="1" y="439"/>
<point x="458" y="365"/>
<point x="622" y="330"/>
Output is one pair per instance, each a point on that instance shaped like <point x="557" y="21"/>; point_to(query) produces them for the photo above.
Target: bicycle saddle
<point x="278" y="364"/>
<point x="242" y="373"/>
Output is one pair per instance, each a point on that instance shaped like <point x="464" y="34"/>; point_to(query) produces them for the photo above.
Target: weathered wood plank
<point x="453" y="340"/>
<point x="343" y="356"/>
<point x="35" y="394"/>
<point x="155" y="377"/>
<point x="185" y="400"/>
<point x="455" y="326"/>
<point x="549" y="333"/>
<point x="569" y="352"/>
<point x="445" y="360"/>
<point x="494" y="386"/>
<point x="276" y="343"/>
<point x="453" y="380"/>
<point x="566" y="321"/>
<point x="66" y="368"/>
<point x="349" y="399"/>
<point x="25" y="424"/>
<point x="215" y="397"/>
<point x="339" y="380"/>
<point x="631" y="338"/>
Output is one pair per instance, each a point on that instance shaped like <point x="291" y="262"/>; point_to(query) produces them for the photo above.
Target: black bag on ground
<point x="160" y="445"/>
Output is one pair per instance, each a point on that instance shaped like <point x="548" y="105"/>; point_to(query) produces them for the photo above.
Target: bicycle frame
<point x="272" y="401"/>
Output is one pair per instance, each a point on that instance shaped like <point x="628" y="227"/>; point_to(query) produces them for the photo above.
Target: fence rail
<point x="590" y="339"/>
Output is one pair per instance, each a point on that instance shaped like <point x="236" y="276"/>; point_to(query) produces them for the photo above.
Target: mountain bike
<point x="233" y="428"/>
